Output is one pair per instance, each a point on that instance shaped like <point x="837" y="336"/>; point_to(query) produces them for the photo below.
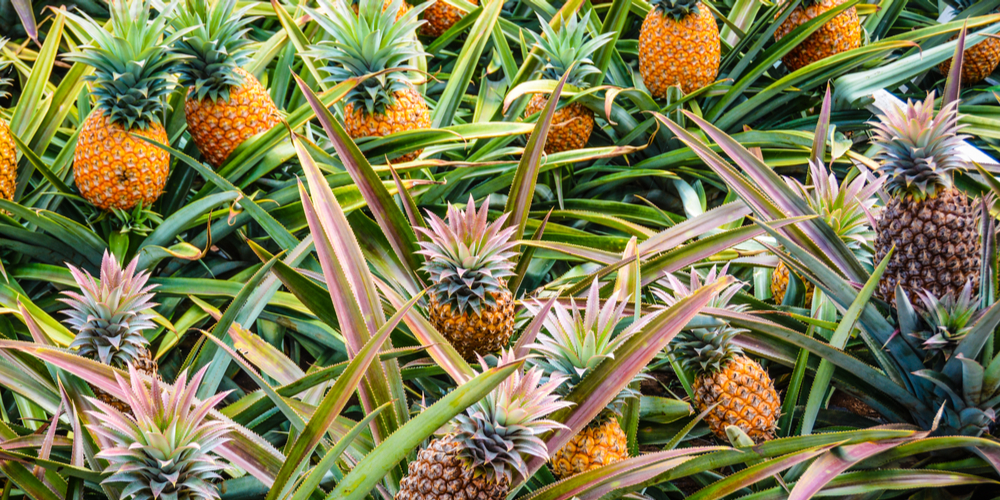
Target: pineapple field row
<point x="499" y="249"/>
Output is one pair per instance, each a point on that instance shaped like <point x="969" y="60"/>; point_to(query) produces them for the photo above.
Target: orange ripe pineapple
<point x="441" y="16"/>
<point x="840" y="34"/>
<point x="678" y="45"/>
<point x="8" y="154"/>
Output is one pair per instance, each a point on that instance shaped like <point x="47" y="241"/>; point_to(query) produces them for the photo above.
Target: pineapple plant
<point x="369" y="43"/>
<point x="109" y="317"/>
<point x="931" y="223"/>
<point x="480" y="450"/>
<point x="978" y="61"/>
<point x="573" y="343"/>
<point x="225" y="104"/>
<point x="571" y="47"/>
<point x="678" y="45"/>
<point x="468" y="259"/>
<point x="741" y="390"/>
<point x="844" y="206"/>
<point x="441" y="16"/>
<point x="167" y="449"/>
<point x="8" y="152"/>
<point x="840" y="34"/>
<point x="132" y="79"/>
<point x="948" y="320"/>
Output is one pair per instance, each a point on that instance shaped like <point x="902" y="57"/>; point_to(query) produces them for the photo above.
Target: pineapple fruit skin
<point x="937" y="245"/>
<point x="684" y="52"/>
<point x="218" y="127"/>
<point x="600" y="443"/>
<point x="115" y="170"/>
<point x="439" y="474"/>
<point x="472" y="334"/>
<point x="571" y="125"/>
<point x="779" y="284"/>
<point x="746" y="397"/>
<point x="842" y="33"/>
<point x="441" y="16"/>
<point x="8" y="162"/>
<point x="409" y="112"/>
<point x="978" y="61"/>
<point x="144" y="363"/>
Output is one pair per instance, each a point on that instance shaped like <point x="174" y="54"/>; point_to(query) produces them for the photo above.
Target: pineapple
<point x="132" y="80"/>
<point x="678" y="45"/>
<point x="8" y="153"/>
<point x="467" y="259"/>
<point x="844" y="207"/>
<point x="723" y="375"/>
<point x="573" y="123"/>
<point x="930" y="222"/>
<point x="109" y="318"/>
<point x="573" y="343"/>
<point x="481" y="449"/>
<point x="225" y="104"/>
<point x="840" y="34"/>
<point x="367" y="43"/>
<point x="441" y="16"/>
<point x="978" y="61"/>
<point x="166" y="450"/>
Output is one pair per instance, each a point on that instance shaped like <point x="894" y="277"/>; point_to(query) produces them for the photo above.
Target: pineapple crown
<point x="918" y="148"/>
<point x="948" y="320"/>
<point x="372" y="44"/>
<point x="496" y="432"/>
<point x="167" y="449"/>
<point x="108" y="316"/>
<point x="678" y="290"/>
<point x="572" y="47"/>
<point x="575" y="342"/>
<point x="133" y="66"/>
<point x="467" y="257"/>
<point x="704" y="350"/>
<point x="3" y="66"/>
<point x="678" y="9"/>
<point x="846" y="206"/>
<point x="216" y="46"/>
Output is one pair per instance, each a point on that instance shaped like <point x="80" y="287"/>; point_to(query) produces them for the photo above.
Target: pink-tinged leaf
<point x="46" y="449"/>
<point x="694" y="227"/>
<point x="443" y="353"/>
<point x="524" y="261"/>
<point x="822" y="129"/>
<point x="608" y="379"/>
<point x="27" y="16"/>
<point x="752" y="475"/>
<point x="37" y="334"/>
<point x="76" y="456"/>
<point x="578" y="251"/>
<point x="531" y="331"/>
<point x="953" y="85"/>
<point x="838" y="460"/>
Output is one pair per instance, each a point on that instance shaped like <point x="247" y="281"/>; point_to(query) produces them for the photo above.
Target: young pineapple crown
<point x="133" y="65"/>
<point x="947" y="320"/>
<point x="919" y="148"/>
<point x="575" y="342"/>
<point x="108" y="316"/>
<point x="215" y="43"/>
<point x="678" y="290"/>
<point x="677" y="9"/>
<point x="467" y="257"/>
<point x="372" y="45"/>
<point x="572" y="47"/>
<point x="167" y="450"/>
<point x="496" y="433"/>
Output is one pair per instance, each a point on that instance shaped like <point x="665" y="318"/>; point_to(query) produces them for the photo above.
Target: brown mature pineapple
<point x="441" y="16"/>
<point x="484" y="446"/>
<point x="678" y="45"/>
<point x="468" y="259"/>
<point x="408" y="112"/>
<point x="978" y="61"/>
<point x="930" y="222"/>
<point x="840" y="34"/>
<point x="601" y="443"/>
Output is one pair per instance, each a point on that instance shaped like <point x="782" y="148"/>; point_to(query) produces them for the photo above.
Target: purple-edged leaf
<point x="526" y="176"/>
<point x="752" y="475"/>
<point x="37" y="334"/>
<point x="609" y="378"/>
<point x="822" y="130"/>
<point x="46" y="448"/>
<point x="521" y="270"/>
<point x="862" y="482"/>
<point x="953" y="85"/>
<point x="578" y="251"/>
<point x="412" y="212"/>
<point x="388" y="215"/>
<point x="838" y="460"/>
<point x="27" y="16"/>
<point x="694" y="227"/>
<point x="531" y="331"/>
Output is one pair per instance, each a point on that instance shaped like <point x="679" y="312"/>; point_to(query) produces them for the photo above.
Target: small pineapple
<point x="8" y="152"/>
<point x="948" y="320"/>
<point x="678" y="45"/>
<point x="573" y="123"/>
<point x="574" y="343"/>
<point x="930" y="222"/>
<point x="132" y="79"/>
<point x="844" y="207"/>
<point x="225" y="104"/>
<point x="723" y="375"/>
<point x="467" y="259"/>
<point x="840" y="34"/>
<point x="367" y="43"/>
<point x="978" y="61"/>
<point x="109" y="318"/>
<point x="167" y="449"/>
<point x="483" y="447"/>
<point x="441" y="16"/>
